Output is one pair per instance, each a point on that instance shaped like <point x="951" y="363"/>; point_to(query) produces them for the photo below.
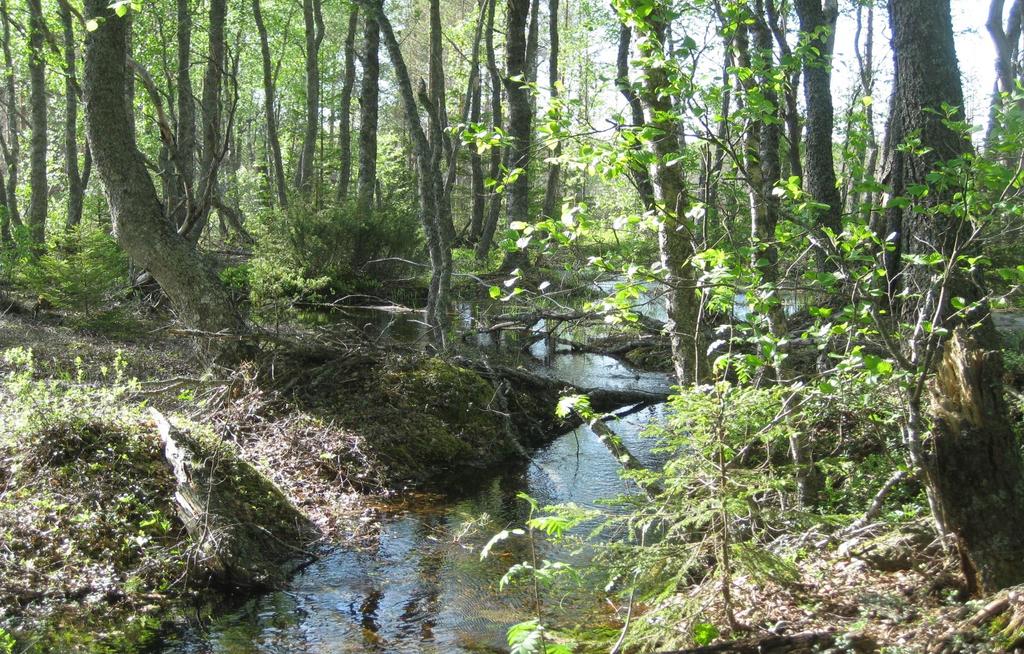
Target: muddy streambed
<point x="421" y="586"/>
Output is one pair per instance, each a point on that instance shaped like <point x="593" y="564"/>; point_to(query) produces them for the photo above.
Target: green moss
<point x="422" y="419"/>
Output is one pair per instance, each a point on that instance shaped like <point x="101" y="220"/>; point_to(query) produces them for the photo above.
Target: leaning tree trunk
<point x="818" y="23"/>
<point x="76" y="189"/>
<point x="974" y="465"/>
<point x="368" y="116"/>
<point x="39" y="202"/>
<point x="269" y="102"/>
<point x="138" y="220"/>
<point x="674" y="244"/>
<point x="345" y="122"/>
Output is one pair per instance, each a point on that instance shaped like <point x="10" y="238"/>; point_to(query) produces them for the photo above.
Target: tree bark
<point x="640" y="173"/>
<point x="483" y="247"/>
<point x="439" y="113"/>
<point x="974" y="465"/>
<point x="12" y="150"/>
<point x="428" y="173"/>
<point x="520" y="120"/>
<point x="345" y="121"/>
<point x="313" y="19"/>
<point x="40" y="193"/>
<point x="818" y="23"/>
<point x="552" y="192"/>
<point x="269" y="108"/>
<point x="182" y="195"/>
<point x="138" y="221"/>
<point x="76" y="189"/>
<point x="368" y="108"/>
<point x="673" y="201"/>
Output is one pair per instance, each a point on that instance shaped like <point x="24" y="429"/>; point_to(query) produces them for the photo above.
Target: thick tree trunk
<point x="673" y="201"/>
<point x="12" y="151"/>
<point x="269" y="100"/>
<point x="926" y="78"/>
<point x="40" y="192"/>
<point x="552" y="192"/>
<point x="368" y="108"/>
<point x="139" y="224"/>
<point x="76" y="189"/>
<point x="182" y="195"/>
<point x="974" y="465"/>
<point x="313" y="19"/>
<point x="817" y="23"/>
<point x="345" y="122"/>
<point x="483" y="247"/>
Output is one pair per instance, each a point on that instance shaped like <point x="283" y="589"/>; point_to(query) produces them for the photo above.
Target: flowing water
<point x="422" y="587"/>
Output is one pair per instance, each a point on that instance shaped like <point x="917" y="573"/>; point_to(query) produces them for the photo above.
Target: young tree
<point x="182" y="192"/>
<point x="552" y="192"/>
<point x="11" y="148"/>
<point x="314" y="22"/>
<point x="76" y="181"/>
<point x="269" y="107"/>
<point x="520" y="120"/>
<point x="345" y="112"/>
<point x="483" y="246"/>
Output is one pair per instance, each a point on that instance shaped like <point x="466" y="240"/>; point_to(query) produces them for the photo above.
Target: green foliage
<point x="82" y="269"/>
<point x="302" y="254"/>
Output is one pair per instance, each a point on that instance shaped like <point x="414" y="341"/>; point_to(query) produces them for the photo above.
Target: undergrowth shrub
<point x="93" y="546"/>
<point x="82" y="269"/>
<point x="302" y="254"/>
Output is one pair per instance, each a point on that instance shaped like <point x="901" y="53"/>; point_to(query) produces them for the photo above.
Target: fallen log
<point x="245" y="532"/>
<point x="804" y="642"/>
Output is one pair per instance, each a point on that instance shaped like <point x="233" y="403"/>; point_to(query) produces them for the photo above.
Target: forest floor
<point x="891" y="584"/>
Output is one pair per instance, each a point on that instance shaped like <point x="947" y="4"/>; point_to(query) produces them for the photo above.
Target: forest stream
<point x="421" y="586"/>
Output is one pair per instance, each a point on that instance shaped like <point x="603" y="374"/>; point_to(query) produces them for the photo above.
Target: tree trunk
<point x="182" y="196"/>
<point x="520" y="120"/>
<point x="40" y="193"/>
<point x="368" y="107"/>
<point x="269" y="102"/>
<point x="439" y="111"/>
<point x="552" y="192"/>
<point x="483" y="247"/>
<point x="926" y="78"/>
<point x="674" y="244"/>
<point x="76" y="189"/>
<point x="476" y="173"/>
<point x="428" y="173"/>
<point x="313" y="19"/>
<point x="762" y="164"/>
<point x="12" y="151"/>
<point x="640" y="173"/>
<point x="974" y="465"/>
<point x="817" y="23"/>
<point x="139" y="224"/>
<point x="345" y="122"/>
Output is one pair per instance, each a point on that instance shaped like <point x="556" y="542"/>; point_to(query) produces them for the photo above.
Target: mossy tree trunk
<point x="139" y="224"/>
